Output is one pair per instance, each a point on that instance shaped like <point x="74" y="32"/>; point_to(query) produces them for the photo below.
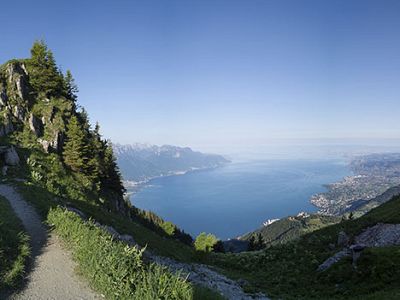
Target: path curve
<point x="52" y="273"/>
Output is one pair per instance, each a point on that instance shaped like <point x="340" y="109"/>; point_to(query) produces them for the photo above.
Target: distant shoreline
<point x="134" y="187"/>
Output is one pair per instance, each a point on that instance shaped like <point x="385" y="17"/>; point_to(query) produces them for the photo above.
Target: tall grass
<point x="112" y="267"/>
<point x="14" y="247"/>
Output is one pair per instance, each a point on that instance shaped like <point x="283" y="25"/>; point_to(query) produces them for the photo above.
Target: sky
<point x="214" y="74"/>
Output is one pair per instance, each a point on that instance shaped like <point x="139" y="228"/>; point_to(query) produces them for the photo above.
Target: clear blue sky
<point x="222" y="73"/>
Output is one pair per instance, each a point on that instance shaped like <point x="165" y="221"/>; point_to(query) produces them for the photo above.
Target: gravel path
<point x="52" y="273"/>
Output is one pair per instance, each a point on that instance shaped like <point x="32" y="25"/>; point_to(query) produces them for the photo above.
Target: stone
<point x="19" y="113"/>
<point x="111" y="230"/>
<point x="4" y="170"/>
<point x="3" y="98"/>
<point x="356" y="252"/>
<point x="343" y="239"/>
<point x="127" y="239"/>
<point x="380" y="235"/>
<point x="36" y="125"/>
<point x="77" y="212"/>
<point x="11" y="157"/>
<point x="45" y="144"/>
<point x="333" y="259"/>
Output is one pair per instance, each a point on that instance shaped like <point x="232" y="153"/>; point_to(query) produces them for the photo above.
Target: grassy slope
<point x="289" y="271"/>
<point x="291" y="228"/>
<point x="14" y="247"/>
<point x="44" y="201"/>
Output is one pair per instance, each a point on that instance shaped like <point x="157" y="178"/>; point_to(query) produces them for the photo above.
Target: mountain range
<point x="140" y="162"/>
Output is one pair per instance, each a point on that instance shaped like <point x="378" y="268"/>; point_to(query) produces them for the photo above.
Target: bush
<point x="205" y="242"/>
<point x="111" y="266"/>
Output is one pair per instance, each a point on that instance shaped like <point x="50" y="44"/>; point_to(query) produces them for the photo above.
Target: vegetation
<point x="290" y="271"/>
<point x="158" y="225"/>
<point x="287" y="230"/>
<point x="205" y="242"/>
<point x="14" y="247"/>
<point x="112" y="267"/>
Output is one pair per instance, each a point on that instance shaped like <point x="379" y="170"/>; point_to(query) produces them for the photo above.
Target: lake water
<point x="239" y="197"/>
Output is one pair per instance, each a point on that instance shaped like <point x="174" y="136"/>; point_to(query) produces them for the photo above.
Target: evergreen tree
<point x="260" y="242"/>
<point x="76" y="148"/>
<point x="111" y="176"/>
<point x="44" y="75"/>
<point x="70" y="87"/>
<point x="252" y="244"/>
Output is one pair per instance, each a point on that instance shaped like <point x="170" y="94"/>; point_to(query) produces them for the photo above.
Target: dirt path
<point x="52" y="273"/>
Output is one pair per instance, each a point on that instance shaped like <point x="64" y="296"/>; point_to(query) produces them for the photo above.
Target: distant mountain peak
<point x="140" y="162"/>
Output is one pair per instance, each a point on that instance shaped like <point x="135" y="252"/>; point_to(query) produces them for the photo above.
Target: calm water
<point x="237" y="198"/>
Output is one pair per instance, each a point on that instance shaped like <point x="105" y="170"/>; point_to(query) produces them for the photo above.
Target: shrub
<point x="205" y="242"/>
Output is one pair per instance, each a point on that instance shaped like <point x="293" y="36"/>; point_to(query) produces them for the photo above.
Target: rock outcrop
<point x="379" y="235"/>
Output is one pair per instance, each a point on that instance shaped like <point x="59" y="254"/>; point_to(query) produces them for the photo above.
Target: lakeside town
<point x="373" y="175"/>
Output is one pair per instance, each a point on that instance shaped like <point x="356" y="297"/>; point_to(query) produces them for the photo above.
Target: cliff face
<point x="37" y="104"/>
<point x="19" y="107"/>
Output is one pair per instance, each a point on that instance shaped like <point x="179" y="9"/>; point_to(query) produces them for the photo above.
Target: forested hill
<point x="140" y="162"/>
<point x="51" y="140"/>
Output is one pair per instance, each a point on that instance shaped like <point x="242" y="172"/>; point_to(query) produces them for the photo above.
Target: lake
<point x="239" y="197"/>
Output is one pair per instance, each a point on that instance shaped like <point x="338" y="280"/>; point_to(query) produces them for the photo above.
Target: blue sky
<point x="213" y="74"/>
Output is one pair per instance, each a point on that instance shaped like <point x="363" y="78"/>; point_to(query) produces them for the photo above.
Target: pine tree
<point x="70" y="87"/>
<point x="45" y="77"/>
<point x="260" y="242"/>
<point x="76" y="148"/>
<point x="252" y="244"/>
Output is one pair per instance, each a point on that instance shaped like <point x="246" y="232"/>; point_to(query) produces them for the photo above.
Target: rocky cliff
<point x="42" y="130"/>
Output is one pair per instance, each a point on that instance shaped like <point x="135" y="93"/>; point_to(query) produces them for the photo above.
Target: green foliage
<point x="205" y="242"/>
<point x="287" y="230"/>
<point x="169" y="228"/>
<point x="112" y="267"/>
<point x="289" y="271"/>
<point x="157" y="224"/>
<point x="70" y="87"/>
<point x="14" y="247"/>
<point x="45" y="77"/>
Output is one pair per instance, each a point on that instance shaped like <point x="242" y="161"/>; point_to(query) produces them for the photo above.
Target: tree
<point x="169" y="228"/>
<point x="70" y="87"/>
<point x="260" y="242"/>
<point x="44" y="75"/>
<point x="76" y="149"/>
<point x="252" y="244"/>
<point x="205" y="242"/>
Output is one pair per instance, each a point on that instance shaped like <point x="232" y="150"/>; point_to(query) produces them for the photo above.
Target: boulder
<point x="11" y="157"/>
<point x="127" y="239"/>
<point x="356" y="252"/>
<point x="343" y="239"/>
<point x="333" y="259"/>
<point x="4" y="170"/>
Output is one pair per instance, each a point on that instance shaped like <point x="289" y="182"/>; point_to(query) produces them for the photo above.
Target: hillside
<point x="290" y="228"/>
<point x="53" y="159"/>
<point x="140" y="162"/>
<point x="290" y="271"/>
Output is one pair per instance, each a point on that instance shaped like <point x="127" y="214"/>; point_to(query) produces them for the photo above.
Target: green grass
<point x="42" y="200"/>
<point x="14" y="247"/>
<point x="289" y="271"/>
<point x="112" y="267"/>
